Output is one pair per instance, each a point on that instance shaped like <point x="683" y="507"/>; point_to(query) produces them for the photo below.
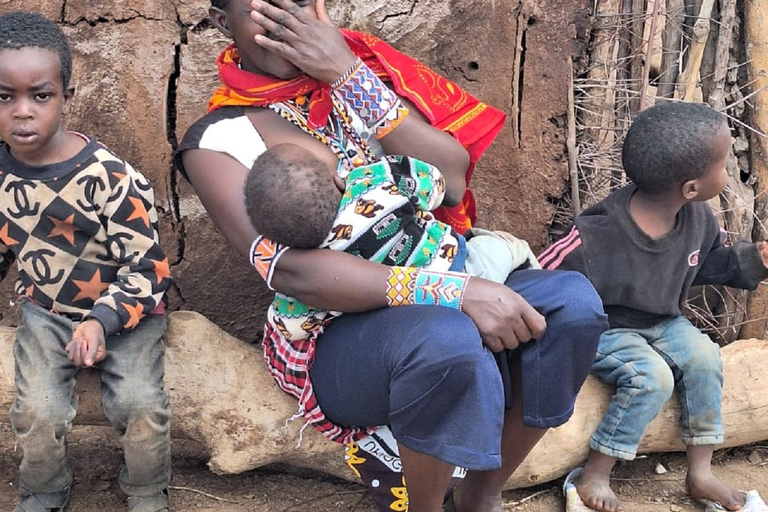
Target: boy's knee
<point x="654" y="379"/>
<point x="140" y="409"/>
<point x="706" y="359"/>
<point x="46" y="419"/>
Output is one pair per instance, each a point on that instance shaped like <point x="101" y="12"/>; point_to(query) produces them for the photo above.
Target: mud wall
<point x="144" y="68"/>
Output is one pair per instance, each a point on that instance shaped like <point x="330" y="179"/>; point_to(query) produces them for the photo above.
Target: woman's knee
<point x="447" y="353"/>
<point x="576" y="299"/>
<point x="445" y="338"/>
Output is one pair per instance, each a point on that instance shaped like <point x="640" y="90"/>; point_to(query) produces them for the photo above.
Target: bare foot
<point x="709" y="487"/>
<point x="595" y="491"/>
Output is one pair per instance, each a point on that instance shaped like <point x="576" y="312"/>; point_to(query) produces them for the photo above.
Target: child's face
<point x="32" y="101"/>
<point x="716" y="176"/>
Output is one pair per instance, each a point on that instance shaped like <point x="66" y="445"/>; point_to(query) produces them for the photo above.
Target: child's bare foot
<point x="595" y="491"/>
<point x="708" y="487"/>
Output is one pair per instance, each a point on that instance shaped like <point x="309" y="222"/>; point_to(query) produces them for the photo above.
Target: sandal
<point x="754" y="503"/>
<point x="159" y="502"/>
<point x="573" y="502"/>
<point x="44" y="502"/>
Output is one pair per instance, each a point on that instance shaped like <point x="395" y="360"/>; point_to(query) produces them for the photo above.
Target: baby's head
<point x="291" y="197"/>
<point x="673" y="143"/>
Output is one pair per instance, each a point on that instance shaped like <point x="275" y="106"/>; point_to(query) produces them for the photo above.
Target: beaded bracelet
<point x="392" y="120"/>
<point x="406" y="286"/>
<point x="264" y="255"/>
<point x="401" y="283"/>
<point x="441" y="289"/>
<point x="343" y="78"/>
<point x="370" y="97"/>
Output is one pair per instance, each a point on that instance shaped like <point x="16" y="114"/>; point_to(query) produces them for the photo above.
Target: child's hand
<point x="88" y="346"/>
<point x="763" y="248"/>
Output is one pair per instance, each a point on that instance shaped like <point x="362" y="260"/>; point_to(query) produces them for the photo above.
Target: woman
<point x="430" y="372"/>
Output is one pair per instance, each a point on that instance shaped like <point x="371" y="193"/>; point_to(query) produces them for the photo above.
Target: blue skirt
<point x="424" y="371"/>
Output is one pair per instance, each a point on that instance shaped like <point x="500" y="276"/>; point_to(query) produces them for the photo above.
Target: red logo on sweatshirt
<point x="693" y="259"/>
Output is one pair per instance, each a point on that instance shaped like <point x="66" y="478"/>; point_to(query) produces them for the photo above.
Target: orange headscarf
<point x="447" y="106"/>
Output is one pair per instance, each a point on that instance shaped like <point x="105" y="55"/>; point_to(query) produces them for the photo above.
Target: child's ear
<point x="69" y="93"/>
<point x="690" y="189"/>
<point x="219" y="19"/>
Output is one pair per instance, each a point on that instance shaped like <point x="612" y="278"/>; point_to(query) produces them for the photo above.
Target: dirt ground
<point x="97" y="457"/>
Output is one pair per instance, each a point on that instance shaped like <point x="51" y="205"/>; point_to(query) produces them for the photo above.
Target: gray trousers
<point x="132" y="394"/>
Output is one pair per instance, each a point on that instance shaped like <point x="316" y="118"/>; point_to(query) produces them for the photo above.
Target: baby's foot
<point x="595" y="491"/>
<point x="708" y="487"/>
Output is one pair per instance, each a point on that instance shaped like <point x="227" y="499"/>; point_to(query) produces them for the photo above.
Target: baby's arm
<point x="88" y="344"/>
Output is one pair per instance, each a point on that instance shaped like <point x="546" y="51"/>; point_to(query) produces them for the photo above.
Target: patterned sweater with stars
<point x="83" y="233"/>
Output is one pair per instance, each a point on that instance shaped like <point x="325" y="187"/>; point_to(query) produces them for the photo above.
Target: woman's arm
<point x="330" y="280"/>
<point x="417" y="138"/>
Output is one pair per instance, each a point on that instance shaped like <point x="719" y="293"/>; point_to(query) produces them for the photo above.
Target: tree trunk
<point x="223" y="397"/>
<point x="756" y="39"/>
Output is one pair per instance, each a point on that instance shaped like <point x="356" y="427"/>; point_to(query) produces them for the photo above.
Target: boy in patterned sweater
<point x="80" y="223"/>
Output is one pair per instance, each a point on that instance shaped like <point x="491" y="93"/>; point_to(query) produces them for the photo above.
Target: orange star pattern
<point x="136" y="313"/>
<point x="5" y="237"/>
<point x="118" y="175"/>
<point x="90" y="289"/>
<point x="65" y="228"/>
<point x="162" y="269"/>
<point x="139" y="211"/>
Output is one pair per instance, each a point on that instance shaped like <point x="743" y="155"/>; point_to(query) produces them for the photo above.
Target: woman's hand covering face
<point x="309" y="40"/>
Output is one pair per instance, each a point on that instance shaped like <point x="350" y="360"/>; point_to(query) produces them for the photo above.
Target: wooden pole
<point x="689" y="78"/>
<point x="671" y="38"/>
<point x="649" y="44"/>
<point x="756" y="38"/>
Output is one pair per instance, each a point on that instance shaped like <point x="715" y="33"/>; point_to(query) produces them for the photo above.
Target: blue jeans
<point x="424" y="371"/>
<point x="132" y="395"/>
<point x="646" y="366"/>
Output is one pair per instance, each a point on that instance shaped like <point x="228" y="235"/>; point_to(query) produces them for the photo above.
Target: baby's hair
<point x="27" y="29"/>
<point x="290" y="197"/>
<point x="221" y="4"/>
<point x="670" y="143"/>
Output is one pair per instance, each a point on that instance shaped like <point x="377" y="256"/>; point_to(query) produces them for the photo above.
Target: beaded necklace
<point x="338" y="133"/>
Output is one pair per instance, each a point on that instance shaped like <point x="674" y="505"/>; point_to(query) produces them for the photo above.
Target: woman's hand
<point x="311" y="43"/>
<point x="503" y="318"/>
